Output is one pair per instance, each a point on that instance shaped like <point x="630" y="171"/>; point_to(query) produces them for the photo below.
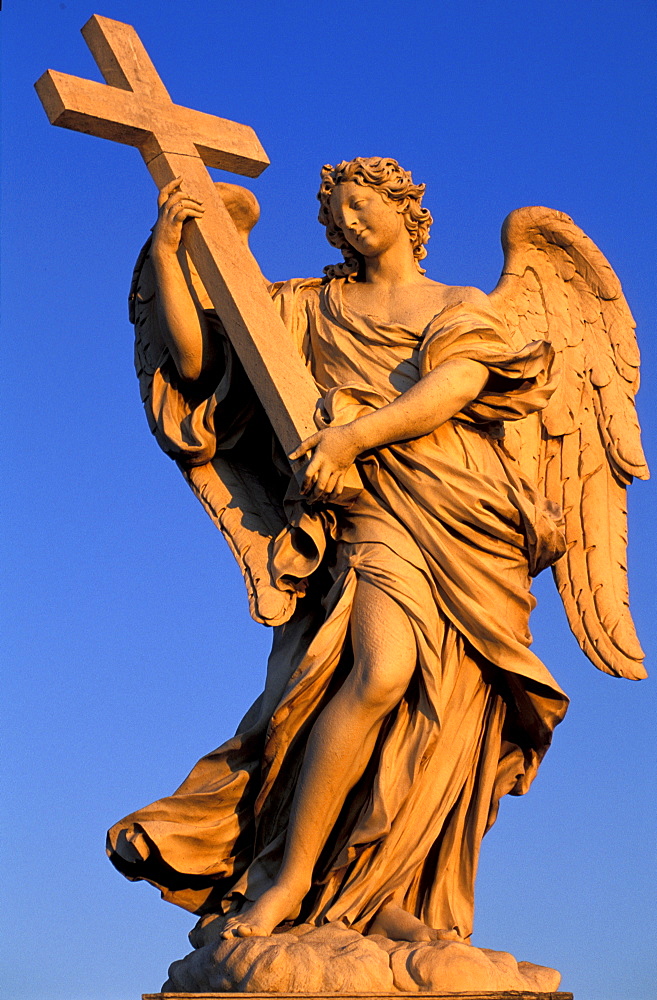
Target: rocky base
<point x="487" y="995"/>
<point x="334" y="960"/>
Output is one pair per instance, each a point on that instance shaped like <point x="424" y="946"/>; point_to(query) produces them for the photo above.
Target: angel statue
<point x="493" y="436"/>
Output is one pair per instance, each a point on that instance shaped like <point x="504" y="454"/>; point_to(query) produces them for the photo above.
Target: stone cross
<point x="135" y="108"/>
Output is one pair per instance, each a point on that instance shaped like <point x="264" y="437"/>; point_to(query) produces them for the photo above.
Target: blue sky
<point x="128" y="648"/>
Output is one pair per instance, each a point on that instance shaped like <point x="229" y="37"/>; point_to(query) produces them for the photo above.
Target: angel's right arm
<point x="184" y="327"/>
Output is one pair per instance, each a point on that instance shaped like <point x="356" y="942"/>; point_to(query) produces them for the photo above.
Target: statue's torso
<point x="352" y="336"/>
<point x="411" y="306"/>
<point x="347" y="345"/>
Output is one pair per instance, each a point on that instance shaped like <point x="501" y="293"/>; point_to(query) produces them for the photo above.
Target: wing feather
<point x="584" y="448"/>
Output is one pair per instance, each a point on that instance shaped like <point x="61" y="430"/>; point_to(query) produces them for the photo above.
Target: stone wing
<point x="584" y="448"/>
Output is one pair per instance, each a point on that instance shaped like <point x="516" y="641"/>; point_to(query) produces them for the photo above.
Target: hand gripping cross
<point x="135" y="108"/>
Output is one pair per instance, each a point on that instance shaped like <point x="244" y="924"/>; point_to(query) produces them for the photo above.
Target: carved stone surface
<point x="468" y="995"/>
<point x="489" y="437"/>
<point x="306" y="959"/>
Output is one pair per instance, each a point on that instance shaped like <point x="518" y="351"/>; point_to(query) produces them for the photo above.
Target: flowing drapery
<point x="447" y="529"/>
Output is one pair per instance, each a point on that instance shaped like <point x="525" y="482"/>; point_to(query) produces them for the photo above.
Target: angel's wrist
<point x="356" y="440"/>
<point x="165" y="258"/>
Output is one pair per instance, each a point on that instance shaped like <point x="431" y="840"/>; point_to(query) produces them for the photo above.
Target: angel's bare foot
<point x="444" y="935"/>
<point x="260" y="918"/>
<point x="398" y="925"/>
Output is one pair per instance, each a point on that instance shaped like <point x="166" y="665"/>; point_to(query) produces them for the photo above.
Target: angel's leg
<point x="338" y="750"/>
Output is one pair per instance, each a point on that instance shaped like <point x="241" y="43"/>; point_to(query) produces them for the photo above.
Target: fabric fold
<point x="447" y="528"/>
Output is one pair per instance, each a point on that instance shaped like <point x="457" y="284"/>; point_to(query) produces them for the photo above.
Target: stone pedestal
<point x="506" y="995"/>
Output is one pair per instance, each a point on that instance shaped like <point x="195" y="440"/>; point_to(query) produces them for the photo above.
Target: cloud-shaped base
<point x="334" y="959"/>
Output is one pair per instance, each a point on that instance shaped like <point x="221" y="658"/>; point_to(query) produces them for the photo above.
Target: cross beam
<point x="134" y="107"/>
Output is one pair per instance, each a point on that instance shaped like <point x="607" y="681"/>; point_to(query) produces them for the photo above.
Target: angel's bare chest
<point x="412" y="307"/>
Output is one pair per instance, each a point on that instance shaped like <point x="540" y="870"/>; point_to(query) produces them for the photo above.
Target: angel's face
<point x="370" y="222"/>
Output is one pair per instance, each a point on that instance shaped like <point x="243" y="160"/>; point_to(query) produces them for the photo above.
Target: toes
<point x="230" y="929"/>
<point x="238" y="930"/>
<point x="448" y="935"/>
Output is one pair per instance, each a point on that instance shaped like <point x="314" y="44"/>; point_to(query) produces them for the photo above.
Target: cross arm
<point x="121" y="115"/>
<point x="136" y="109"/>
<point x="94" y="108"/>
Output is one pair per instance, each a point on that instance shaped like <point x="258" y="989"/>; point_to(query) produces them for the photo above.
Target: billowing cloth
<point x="448" y="530"/>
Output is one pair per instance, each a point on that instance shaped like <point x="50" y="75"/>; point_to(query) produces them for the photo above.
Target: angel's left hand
<point x="334" y="451"/>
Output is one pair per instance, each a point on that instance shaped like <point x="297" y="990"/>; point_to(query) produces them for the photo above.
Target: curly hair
<point x="391" y="181"/>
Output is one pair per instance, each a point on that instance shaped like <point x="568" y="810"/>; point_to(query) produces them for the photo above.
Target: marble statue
<point x="494" y="436"/>
<point x="461" y="443"/>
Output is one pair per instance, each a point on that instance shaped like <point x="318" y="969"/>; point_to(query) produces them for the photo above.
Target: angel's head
<point x="393" y="185"/>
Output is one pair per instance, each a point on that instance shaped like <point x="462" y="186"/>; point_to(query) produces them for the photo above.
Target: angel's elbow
<point x="470" y="377"/>
<point x="189" y="369"/>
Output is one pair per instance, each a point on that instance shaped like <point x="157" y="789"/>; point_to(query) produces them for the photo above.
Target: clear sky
<point x="128" y="647"/>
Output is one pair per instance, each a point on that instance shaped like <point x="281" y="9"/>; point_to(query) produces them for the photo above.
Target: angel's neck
<point x="393" y="266"/>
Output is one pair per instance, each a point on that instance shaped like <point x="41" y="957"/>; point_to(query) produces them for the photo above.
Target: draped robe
<point x="446" y="527"/>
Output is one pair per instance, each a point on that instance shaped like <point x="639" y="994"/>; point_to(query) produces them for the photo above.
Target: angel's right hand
<point x="174" y="208"/>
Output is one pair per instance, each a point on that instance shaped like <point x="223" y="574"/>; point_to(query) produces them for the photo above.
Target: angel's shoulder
<point x="465" y="293"/>
<point x="472" y="305"/>
<point x="295" y="284"/>
<point x="297" y="289"/>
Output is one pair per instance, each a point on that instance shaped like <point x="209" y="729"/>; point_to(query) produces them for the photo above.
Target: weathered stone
<point x="304" y="960"/>
<point x="333" y="958"/>
<point x="401" y="701"/>
<point x="468" y="995"/>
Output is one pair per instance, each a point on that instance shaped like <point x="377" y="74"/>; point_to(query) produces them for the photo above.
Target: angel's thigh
<point x="385" y="652"/>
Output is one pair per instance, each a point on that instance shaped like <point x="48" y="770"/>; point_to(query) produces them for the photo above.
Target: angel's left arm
<point x="437" y="397"/>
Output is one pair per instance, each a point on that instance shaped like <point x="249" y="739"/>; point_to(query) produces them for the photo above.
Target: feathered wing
<point x="243" y="501"/>
<point x="584" y="448"/>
